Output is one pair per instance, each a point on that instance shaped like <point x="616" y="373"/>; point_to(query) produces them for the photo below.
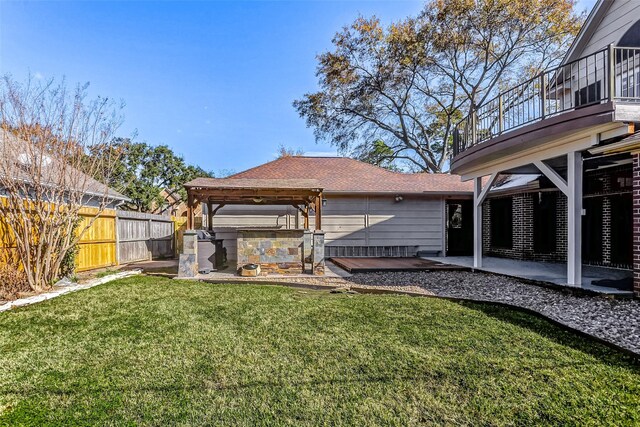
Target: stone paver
<point x="65" y="288"/>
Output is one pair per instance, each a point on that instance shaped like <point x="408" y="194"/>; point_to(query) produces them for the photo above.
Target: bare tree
<point x="46" y="174"/>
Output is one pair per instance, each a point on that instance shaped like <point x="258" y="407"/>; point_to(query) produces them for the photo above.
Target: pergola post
<point x="305" y="213"/>
<point x="209" y="216"/>
<point x="574" y="218"/>
<point x="190" y="200"/>
<point x="319" y="212"/>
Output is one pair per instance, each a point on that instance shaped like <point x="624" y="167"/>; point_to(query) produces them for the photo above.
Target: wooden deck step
<point x="370" y="265"/>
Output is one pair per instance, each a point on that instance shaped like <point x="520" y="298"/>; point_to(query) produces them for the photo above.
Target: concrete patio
<point x="552" y="273"/>
<point x="170" y="269"/>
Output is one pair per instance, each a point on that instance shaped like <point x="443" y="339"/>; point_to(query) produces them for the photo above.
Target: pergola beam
<point x="234" y="195"/>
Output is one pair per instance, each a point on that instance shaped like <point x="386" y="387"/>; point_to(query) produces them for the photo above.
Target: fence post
<point x="149" y="226"/>
<point x="173" y="238"/>
<point x="115" y="224"/>
<point x="612" y="72"/>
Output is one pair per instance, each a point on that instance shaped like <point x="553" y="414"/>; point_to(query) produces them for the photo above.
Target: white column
<point x="574" y="218"/>
<point x="477" y="223"/>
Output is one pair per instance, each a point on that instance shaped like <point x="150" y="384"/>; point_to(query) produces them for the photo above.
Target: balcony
<point x="592" y="87"/>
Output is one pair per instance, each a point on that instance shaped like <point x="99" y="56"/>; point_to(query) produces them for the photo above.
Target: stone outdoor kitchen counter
<point x="275" y="250"/>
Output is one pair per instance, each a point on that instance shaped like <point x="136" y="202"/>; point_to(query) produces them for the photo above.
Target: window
<point x="627" y="83"/>
<point x="588" y="95"/>
<point x="455" y="215"/>
<point x="501" y="223"/>
<point x="622" y="179"/>
<point x="629" y="89"/>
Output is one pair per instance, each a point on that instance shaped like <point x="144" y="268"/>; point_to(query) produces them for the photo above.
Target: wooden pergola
<point x="303" y="194"/>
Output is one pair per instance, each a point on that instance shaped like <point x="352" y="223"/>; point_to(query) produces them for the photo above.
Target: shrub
<point x="12" y="281"/>
<point x="68" y="264"/>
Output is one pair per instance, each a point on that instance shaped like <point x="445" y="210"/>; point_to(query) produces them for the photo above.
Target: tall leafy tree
<point x="144" y="171"/>
<point x="410" y="83"/>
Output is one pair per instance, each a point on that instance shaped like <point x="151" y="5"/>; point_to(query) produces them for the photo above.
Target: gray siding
<point x="349" y="221"/>
<point x="230" y="218"/>
<point x="621" y="15"/>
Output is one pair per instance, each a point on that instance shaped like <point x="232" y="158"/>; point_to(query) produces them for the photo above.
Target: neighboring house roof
<point x="346" y="175"/>
<point x="10" y="145"/>
<point x="510" y="182"/>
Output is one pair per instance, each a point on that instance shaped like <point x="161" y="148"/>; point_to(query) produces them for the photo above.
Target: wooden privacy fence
<point x="179" y="227"/>
<point x="116" y="237"/>
<point x="144" y="236"/>
<point x="97" y="247"/>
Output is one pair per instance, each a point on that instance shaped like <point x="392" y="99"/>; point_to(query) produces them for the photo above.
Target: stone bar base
<point x="188" y="264"/>
<point x="277" y="251"/>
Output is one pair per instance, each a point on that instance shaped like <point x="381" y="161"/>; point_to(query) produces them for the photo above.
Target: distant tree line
<point x="143" y="171"/>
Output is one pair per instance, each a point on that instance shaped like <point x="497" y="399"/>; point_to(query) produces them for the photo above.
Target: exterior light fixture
<point x="257" y="200"/>
<point x="399" y="198"/>
<point x="324" y="202"/>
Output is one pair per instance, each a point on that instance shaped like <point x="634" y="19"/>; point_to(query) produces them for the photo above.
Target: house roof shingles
<point x="11" y="145"/>
<point x="346" y="175"/>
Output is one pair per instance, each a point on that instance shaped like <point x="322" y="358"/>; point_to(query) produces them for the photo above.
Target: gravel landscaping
<point x="614" y="320"/>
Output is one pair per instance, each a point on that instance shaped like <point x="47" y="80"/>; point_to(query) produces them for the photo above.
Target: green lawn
<point x="147" y="350"/>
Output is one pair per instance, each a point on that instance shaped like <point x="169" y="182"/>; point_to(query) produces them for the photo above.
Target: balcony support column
<point x="574" y="218"/>
<point x="479" y="195"/>
<point x="477" y="223"/>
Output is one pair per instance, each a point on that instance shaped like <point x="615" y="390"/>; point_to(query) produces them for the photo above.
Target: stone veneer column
<point x="318" y="253"/>
<point x="188" y="265"/>
<point x="636" y="224"/>
<point x="307" y="251"/>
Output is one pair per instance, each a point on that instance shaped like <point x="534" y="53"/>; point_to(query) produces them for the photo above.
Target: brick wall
<point x="522" y="230"/>
<point x="601" y="184"/>
<point x="606" y="220"/>
<point x="561" y="228"/>
<point x="636" y="224"/>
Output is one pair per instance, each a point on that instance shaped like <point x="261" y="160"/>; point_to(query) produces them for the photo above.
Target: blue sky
<point x="213" y="80"/>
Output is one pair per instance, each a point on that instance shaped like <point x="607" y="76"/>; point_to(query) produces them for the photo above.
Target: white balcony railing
<point x="609" y="74"/>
